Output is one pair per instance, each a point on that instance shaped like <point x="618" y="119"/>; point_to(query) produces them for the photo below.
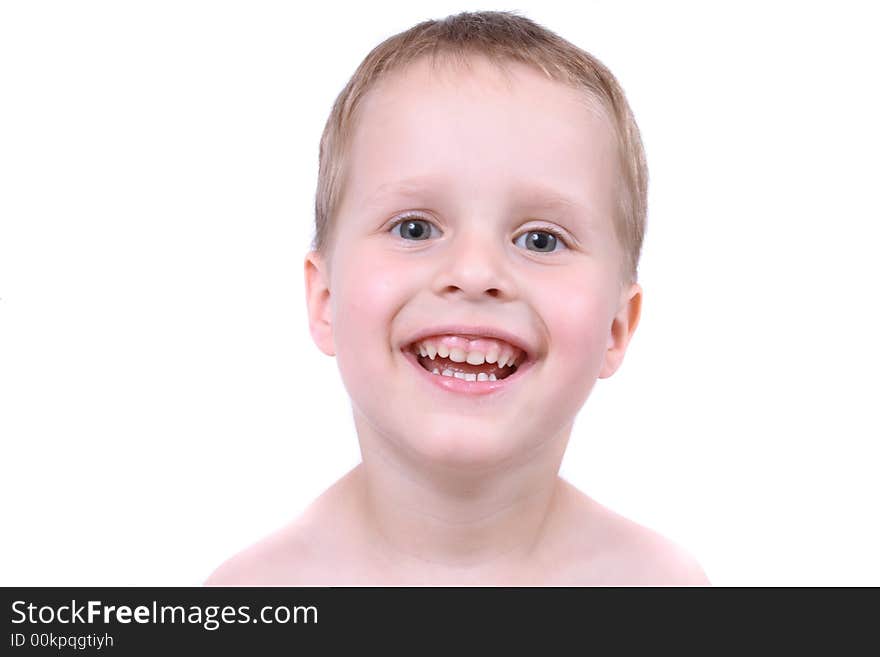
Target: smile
<point x="475" y="367"/>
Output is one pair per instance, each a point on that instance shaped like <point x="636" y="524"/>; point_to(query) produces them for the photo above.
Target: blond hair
<point x="500" y="37"/>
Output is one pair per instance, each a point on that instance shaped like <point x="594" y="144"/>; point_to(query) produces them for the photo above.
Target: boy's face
<point x="478" y="163"/>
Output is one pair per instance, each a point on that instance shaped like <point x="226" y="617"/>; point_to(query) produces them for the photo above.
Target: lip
<point x="474" y="332"/>
<point x="478" y="388"/>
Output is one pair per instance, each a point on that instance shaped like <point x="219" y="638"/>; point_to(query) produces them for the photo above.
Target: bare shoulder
<point x="619" y="551"/>
<point x="306" y="552"/>
<point x="280" y="558"/>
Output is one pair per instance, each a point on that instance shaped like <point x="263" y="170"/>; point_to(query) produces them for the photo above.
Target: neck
<point x="448" y="524"/>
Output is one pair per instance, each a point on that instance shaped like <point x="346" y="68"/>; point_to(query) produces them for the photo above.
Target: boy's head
<point x="481" y="190"/>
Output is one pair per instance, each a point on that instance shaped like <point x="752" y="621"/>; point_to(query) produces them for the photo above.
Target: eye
<point x="412" y="228"/>
<point x="543" y="241"/>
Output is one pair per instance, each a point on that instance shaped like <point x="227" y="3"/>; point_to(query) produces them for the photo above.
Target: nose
<point x="475" y="266"/>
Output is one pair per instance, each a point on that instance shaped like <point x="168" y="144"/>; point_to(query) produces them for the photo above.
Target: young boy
<point x="480" y="212"/>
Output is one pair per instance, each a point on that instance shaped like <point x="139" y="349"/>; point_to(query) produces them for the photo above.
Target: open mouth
<point x="468" y="360"/>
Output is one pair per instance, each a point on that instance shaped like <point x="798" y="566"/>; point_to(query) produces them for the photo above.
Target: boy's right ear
<point x="318" y="302"/>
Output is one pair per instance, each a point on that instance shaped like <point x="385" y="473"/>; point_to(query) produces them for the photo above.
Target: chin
<point x="464" y="449"/>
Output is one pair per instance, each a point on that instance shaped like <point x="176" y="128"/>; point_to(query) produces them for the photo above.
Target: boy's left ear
<point x="622" y="329"/>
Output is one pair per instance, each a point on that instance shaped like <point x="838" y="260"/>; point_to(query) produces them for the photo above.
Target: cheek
<point x="578" y="321"/>
<point x="366" y="296"/>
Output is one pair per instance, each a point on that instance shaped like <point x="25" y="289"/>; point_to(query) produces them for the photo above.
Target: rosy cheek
<point x="576" y="324"/>
<point x="365" y="300"/>
<point x="371" y="291"/>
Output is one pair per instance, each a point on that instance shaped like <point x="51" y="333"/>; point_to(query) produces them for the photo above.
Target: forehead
<point x="480" y="133"/>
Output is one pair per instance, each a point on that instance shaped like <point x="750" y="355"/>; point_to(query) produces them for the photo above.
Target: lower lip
<point x="451" y="384"/>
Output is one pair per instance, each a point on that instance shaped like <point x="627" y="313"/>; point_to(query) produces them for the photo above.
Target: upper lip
<point x="482" y="331"/>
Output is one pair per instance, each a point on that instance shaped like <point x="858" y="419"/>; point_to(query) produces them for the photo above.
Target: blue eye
<point x="543" y="241"/>
<point x="412" y="229"/>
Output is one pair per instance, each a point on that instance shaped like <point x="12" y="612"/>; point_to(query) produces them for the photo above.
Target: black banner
<point x="246" y="620"/>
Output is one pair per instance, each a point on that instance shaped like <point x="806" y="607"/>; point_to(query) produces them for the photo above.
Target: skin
<point x="453" y="489"/>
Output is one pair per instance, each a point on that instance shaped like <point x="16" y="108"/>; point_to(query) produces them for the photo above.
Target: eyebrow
<point x="538" y="196"/>
<point x="407" y="187"/>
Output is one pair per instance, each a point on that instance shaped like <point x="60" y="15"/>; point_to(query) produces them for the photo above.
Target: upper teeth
<point x="503" y="354"/>
<point x="458" y="355"/>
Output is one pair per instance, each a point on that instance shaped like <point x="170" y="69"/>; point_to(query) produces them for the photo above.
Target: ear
<point x="318" y="302"/>
<point x="622" y="329"/>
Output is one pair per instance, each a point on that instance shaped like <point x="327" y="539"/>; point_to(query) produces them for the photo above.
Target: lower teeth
<point x="466" y="376"/>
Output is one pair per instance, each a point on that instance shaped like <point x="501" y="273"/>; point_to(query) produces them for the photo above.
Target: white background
<point x="162" y="404"/>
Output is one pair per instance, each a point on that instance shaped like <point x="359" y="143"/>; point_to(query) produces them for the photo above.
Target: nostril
<point x="493" y="292"/>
